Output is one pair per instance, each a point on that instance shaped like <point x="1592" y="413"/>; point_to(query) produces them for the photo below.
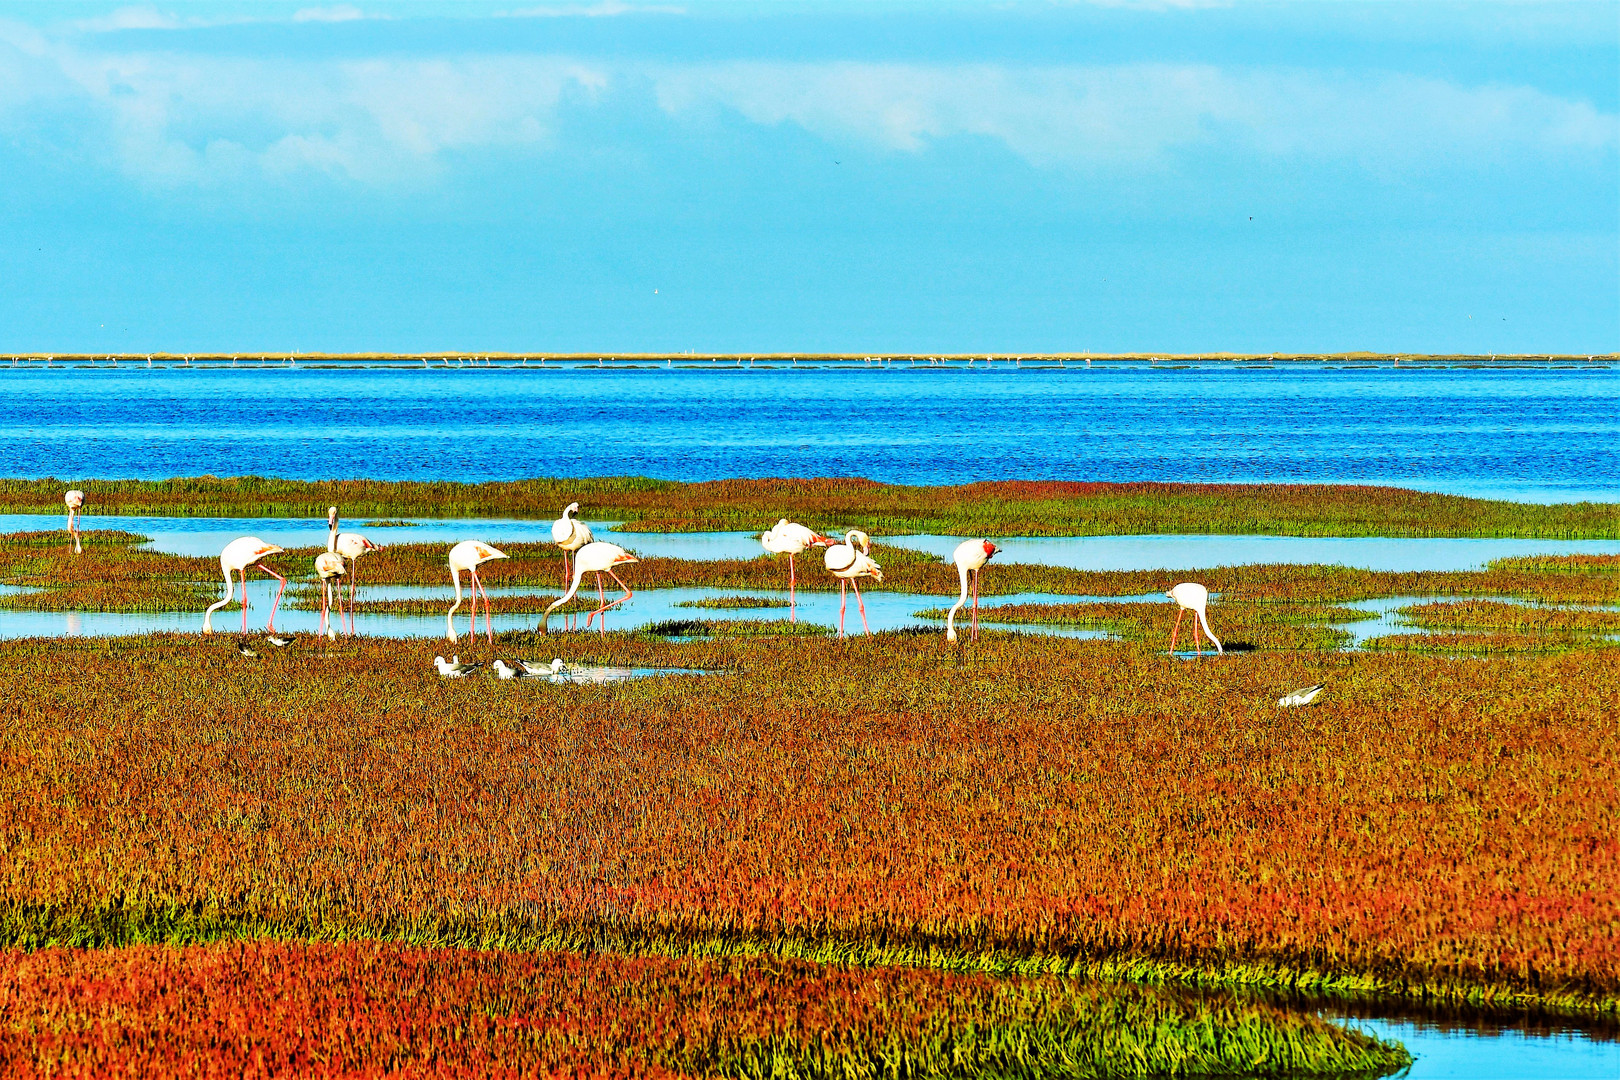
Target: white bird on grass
<point x="790" y="538"/>
<point x="453" y="668"/>
<point x="1303" y="696"/>
<point x="517" y="669"/>
<point x="848" y="565"/>
<point x="970" y="557"/>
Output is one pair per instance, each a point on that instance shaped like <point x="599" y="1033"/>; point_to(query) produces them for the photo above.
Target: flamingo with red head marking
<point x="238" y="555"/>
<point x="848" y="564"/>
<point x="596" y="558"/>
<point x="790" y="538"/>
<point x="970" y="557"/>
<point x="469" y="555"/>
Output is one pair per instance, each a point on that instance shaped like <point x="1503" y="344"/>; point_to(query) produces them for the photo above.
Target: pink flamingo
<point x="970" y="557"/>
<point x="790" y="538"/>
<point x="1192" y="597"/>
<point x="351" y="546"/>
<point x="570" y="533"/>
<point x="329" y="568"/>
<point x="75" y="503"/>
<point x="595" y="558"/>
<point x="238" y="555"/>
<point x="847" y="565"/>
<point x="469" y="555"/>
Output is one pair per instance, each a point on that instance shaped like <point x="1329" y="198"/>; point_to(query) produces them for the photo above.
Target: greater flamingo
<point x="570" y="533"/>
<point x="239" y="554"/>
<point x="469" y="555"/>
<point x="1193" y="597"/>
<point x="847" y="565"/>
<point x="75" y="503"/>
<point x="351" y="546"/>
<point x="329" y="568"/>
<point x="970" y="557"/>
<point x="595" y="558"/>
<point x="790" y="538"/>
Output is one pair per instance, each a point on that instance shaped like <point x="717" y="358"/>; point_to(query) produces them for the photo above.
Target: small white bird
<point x="1303" y="696"/>
<point x="242" y="647"/>
<point x="516" y="670"/>
<point x="280" y="641"/>
<point x="453" y="668"/>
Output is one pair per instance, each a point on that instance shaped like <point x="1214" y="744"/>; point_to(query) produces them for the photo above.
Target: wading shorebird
<point x="1303" y="696"/>
<point x="517" y="669"/>
<point x="238" y="555"/>
<point x="1192" y="597"/>
<point x="570" y="534"/>
<point x="469" y="555"/>
<point x="594" y="558"/>
<point x="970" y="557"/>
<point x="329" y="568"/>
<point x="351" y="546"/>
<point x="848" y="563"/>
<point x="790" y="538"/>
<point x="75" y="502"/>
<point x="280" y="641"/>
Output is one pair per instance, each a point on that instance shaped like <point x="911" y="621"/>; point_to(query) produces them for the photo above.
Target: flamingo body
<point x="970" y="557"/>
<point x="329" y="568"/>
<point x="597" y="558"/>
<point x="239" y="554"/>
<point x="351" y="546"/>
<point x="791" y="539"/>
<point x="570" y="534"/>
<point x="1193" y="597"/>
<point x="75" y="502"/>
<point x="849" y="562"/>
<point x="468" y="556"/>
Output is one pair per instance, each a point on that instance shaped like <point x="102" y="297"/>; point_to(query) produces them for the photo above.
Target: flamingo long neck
<point x="579" y="575"/>
<point x="1204" y="622"/>
<point x="331" y="535"/>
<point x="950" y="620"/>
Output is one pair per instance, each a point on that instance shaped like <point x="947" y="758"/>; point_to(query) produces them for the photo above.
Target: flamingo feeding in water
<point x="351" y="546"/>
<point x="469" y="555"/>
<point x="790" y="538"/>
<point x="595" y="558"/>
<point x="970" y="557"/>
<point x="848" y="564"/>
<point x="1193" y="597"/>
<point x="570" y="533"/>
<point x="75" y="502"/>
<point x="239" y="554"/>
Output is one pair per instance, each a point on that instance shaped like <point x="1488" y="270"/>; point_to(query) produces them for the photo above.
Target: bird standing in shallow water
<point x="595" y="558"/>
<point x="329" y="568"/>
<point x="1303" y="696"/>
<point x="970" y="556"/>
<point x="790" y="538"/>
<point x="238" y="555"/>
<point x="1192" y="597"/>
<point x="351" y="546"/>
<point x="469" y="555"/>
<point x="75" y="502"/>
<point x="848" y="564"/>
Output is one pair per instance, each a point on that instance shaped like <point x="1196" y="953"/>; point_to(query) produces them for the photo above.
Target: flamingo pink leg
<point x="793" y="580"/>
<point x="843" y="603"/>
<point x="354" y="571"/>
<point x="975" y="605"/>
<point x="270" y="625"/>
<point x="489" y="625"/>
<point x="862" y="605"/>
<point x="1176" y="630"/>
<point x="601" y="596"/>
<point x="1198" y="646"/>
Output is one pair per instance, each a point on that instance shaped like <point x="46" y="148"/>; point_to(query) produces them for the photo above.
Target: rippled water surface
<point x="1536" y="432"/>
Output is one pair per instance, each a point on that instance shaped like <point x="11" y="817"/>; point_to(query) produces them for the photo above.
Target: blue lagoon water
<point x="1537" y="432"/>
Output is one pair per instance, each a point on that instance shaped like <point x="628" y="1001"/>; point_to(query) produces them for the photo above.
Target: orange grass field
<point x="1432" y="828"/>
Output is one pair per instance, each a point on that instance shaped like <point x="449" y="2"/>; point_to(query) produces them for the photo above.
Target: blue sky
<point x="1176" y="176"/>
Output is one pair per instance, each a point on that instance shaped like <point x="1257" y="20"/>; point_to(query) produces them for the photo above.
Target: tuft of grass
<point x="735" y="628"/>
<point x="723" y="603"/>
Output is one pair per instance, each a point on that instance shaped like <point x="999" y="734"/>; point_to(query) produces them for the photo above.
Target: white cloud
<point x="336" y="13"/>
<point x="602" y="9"/>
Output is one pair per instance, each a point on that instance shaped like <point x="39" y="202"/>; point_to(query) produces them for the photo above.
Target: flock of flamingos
<point x="849" y="562"/>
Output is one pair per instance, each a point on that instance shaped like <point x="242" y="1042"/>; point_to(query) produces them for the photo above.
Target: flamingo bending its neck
<point x="594" y="558"/>
<point x="848" y="564"/>
<point x="790" y="538"/>
<point x="75" y="502"/>
<point x="570" y="534"/>
<point x="1193" y="597"/>
<point x="469" y="555"/>
<point x="970" y="557"/>
<point x="238" y="555"/>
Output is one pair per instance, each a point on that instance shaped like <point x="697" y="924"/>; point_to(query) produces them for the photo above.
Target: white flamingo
<point x="970" y="557"/>
<point x="849" y="563"/>
<point x="351" y="546"/>
<point x="570" y="533"/>
<point x="1193" y="597"/>
<point x="329" y="568"/>
<point x="596" y="558"/>
<point x="790" y="538"/>
<point x="469" y="555"/>
<point x="239" y="554"/>
<point x="75" y="502"/>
